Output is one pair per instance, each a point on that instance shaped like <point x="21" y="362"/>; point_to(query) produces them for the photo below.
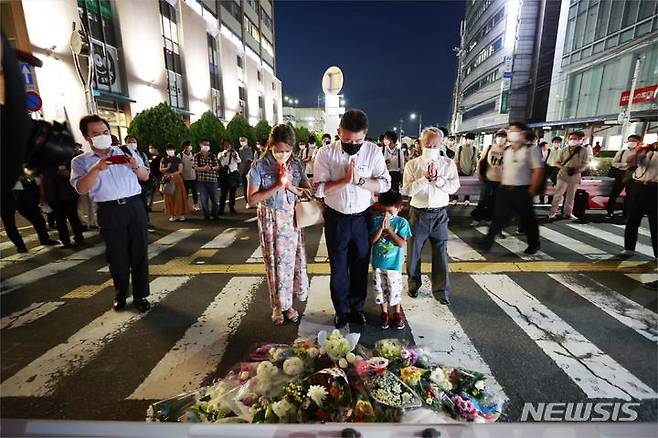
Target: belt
<point x="120" y="201"/>
<point x="646" y="183"/>
<point x="331" y="210"/>
<point x="430" y="210"/>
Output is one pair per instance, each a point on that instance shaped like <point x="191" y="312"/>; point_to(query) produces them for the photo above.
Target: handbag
<point x="484" y="164"/>
<point x="308" y="212"/>
<point x="168" y="186"/>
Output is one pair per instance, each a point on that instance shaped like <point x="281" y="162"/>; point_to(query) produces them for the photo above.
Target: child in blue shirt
<point x="388" y="236"/>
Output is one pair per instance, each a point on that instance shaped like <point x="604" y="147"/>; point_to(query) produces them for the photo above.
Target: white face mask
<point x="431" y="153"/>
<point x="281" y="157"/>
<point x="501" y="141"/>
<point x="632" y="145"/>
<point x="514" y="137"/>
<point x="243" y="143"/>
<point x="103" y="141"/>
<point x="205" y="148"/>
<point x="556" y="145"/>
<point x="171" y="153"/>
<point x="574" y="142"/>
<point x="132" y="146"/>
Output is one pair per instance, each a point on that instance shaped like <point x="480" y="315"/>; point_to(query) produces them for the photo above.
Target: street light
<point x="413" y="116"/>
<point x="296" y="101"/>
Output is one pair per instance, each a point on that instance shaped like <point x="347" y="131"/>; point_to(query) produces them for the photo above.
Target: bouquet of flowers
<point x="401" y="355"/>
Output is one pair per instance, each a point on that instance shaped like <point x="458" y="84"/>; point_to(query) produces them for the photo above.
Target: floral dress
<point x="282" y="243"/>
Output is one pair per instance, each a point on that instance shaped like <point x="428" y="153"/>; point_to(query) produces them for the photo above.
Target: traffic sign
<point x="26" y="74"/>
<point x="33" y="101"/>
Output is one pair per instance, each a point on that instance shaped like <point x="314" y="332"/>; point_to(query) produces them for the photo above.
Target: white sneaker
<point x="196" y="207"/>
<point x="181" y="218"/>
<point x="172" y="219"/>
<point x="247" y="206"/>
<point x="552" y="217"/>
<point x="574" y="218"/>
<point x="454" y="202"/>
<point x="467" y="203"/>
<point x="475" y="223"/>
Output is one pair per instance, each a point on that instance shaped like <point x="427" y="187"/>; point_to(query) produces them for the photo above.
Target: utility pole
<point x="629" y="108"/>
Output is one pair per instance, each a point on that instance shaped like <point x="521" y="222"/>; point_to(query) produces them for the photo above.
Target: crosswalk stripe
<point x="516" y="246"/>
<point x="36" y="251"/>
<point x="596" y="373"/>
<point x="319" y="311"/>
<point x="644" y="278"/>
<point x="256" y="256"/>
<point x="29" y="314"/>
<point x="41" y="376"/>
<point x="641" y="230"/>
<point x="322" y="254"/>
<point x="251" y="219"/>
<point x="435" y="327"/>
<point x="11" y="284"/>
<point x="624" y="310"/>
<point x="9" y="244"/>
<point x="611" y="238"/>
<point x="201" y="348"/>
<point x="161" y="245"/>
<point x="224" y="239"/>
<point x="87" y="290"/>
<point x="588" y="251"/>
<point x="460" y="250"/>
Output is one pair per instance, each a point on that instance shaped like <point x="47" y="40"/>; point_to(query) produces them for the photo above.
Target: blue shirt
<point x="385" y="253"/>
<point x="264" y="174"/>
<point x="116" y="182"/>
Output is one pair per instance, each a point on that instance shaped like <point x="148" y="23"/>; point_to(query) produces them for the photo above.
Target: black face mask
<point x="350" y="148"/>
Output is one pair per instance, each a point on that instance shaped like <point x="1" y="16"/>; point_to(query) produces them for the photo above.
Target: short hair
<point x="390" y="199"/>
<point x="336" y="137"/>
<point x="115" y="140"/>
<point x="579" y="134"/>
<point x="89" y="119"/>
<point x="326" y="136"/>
<point x="381" y="138"/>
<point x="203" y="140"/>
<point x="469" y="136"/>
<point x="530" y="136"/>
<point x="634" y="137"/>
<point x="311" y="139"/>
<point x="520" y="125"/>
<point x="451" y="137"/>
<point x="501" y="133"/>
<point x="556" y="139"/>
<point x="444" y="130"/>
<point x="185" y="144"/>
<point x="430" y="131"/>
<point x="129" y="136"/>
<point x="281" y="133"/>
<point x="242" y="136"/>
<point x="170" y="146"/>
<point x="391" y="136"/>
<point x="354" y="120"/>
<point x="543" y="143"/>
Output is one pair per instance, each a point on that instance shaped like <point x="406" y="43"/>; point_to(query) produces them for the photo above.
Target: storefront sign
<point x="641" y="95"/>
<point x="504" y="102"/>
<point x="106" y="67"/>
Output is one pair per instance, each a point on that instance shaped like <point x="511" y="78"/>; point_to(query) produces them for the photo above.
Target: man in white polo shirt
<point x="346" y="174"/>
<point x="523" y="170"/>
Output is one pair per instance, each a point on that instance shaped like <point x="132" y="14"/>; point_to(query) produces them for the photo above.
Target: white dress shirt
<point x="519" y="163"/>
<point x="231" y="161"/>
<point x="425" y="194"/>
<point x="331" y="164"/>
<point x="395" y="158"/>
<point x="553" y="157"/>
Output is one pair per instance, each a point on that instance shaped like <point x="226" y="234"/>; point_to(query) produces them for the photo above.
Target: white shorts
<point x="388" y="286"/>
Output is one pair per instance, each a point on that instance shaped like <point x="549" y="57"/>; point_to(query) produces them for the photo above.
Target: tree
<point x="208" y="126"/>
<point x="302" y="134"/>
<point x="238" y="127"/>
<point x="262" y="131"/>
<point x="157" y="126"/>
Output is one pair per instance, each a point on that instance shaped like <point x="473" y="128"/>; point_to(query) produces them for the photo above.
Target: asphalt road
<point x="566" y="325"/>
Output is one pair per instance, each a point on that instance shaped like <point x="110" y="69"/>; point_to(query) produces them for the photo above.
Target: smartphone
<point x="117" y="159"/>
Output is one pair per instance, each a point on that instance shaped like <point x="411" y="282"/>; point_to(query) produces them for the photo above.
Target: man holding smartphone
<point x="111" y="178"/>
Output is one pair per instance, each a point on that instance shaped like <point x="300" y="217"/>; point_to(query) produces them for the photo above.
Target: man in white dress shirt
<point x="346" y="174"/>
<point x="429" y="180"/>
<point x="394" y="157"/>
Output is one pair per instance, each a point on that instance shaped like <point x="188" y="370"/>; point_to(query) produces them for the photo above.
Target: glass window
<point x="590" y="27"/>
<point x="267" y="46"/>
<point x="233" y="8"/>
<point x="267" y="21"/>
<point x="484" y="54"/>
<point x="647" y="9"/>
<point x="630" y="13"/>
<point x="580" y="30"/>
<point x="602" y="20"/>
<point x="477" y="111"/>
<point x="616" y="14"/>
<point x="251" y="28"/>
<point x="643" y="28"/>
<point x="573" y="90"/>
<point x="171" y="50"/>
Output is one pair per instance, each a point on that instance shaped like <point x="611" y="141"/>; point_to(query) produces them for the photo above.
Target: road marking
<point x="225" y="238"/>
<point x="319" y="312"/>
<point x="516" y="246"/>
<point x="41" y="376"/>
<point x="435" y="327"/>
<point x="251" y="219"/>
<point x="460" y="250"/>
<point x="4" y="232"/>
<point x="596" y="373"/>
<point x="623" y="309"/>
<point x="161" y="245"/>
<point x="641" y="230"/>
<point x="11" y="284"/>
<point x="611" y="238"/>
<point x="256" y="256"/>
<point x="29" y="314"/>
<point x="87" y="290"/>
<point x="322" y="255"/>
<point x="644" y="278"/>
<point x="574" y="245"/>
<point x="199" y="351"/>
<point x="9" y="244"/>
<point x="37" y="250"/>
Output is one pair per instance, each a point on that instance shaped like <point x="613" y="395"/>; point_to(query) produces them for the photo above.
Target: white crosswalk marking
<point x="8" y="244"/>
<point x="435" y="327"/>
<point x="29" y="314"/>
<point x="225" y="238"/>
<point x="611" y="238"/>
<point x="460" y="250"/>
<point x="644" y="278"/>
<point x="322" y="255"/>
<point x="319" y="311"/>
<point x="202" y="346"/>
<point x="588" y="251"/>
<point x="36" y="251"/>
<point x="256" y="256"/>
<point x="623" y="309"/>
<point x="641" y="231"/>
<point x="251" y="219"/>
<point x="161" y="245"/>
<point x="40" y="377"/>
<point x="516" y="246"/>
<point x="11" y="284"/>
<point x="596" y="373"/>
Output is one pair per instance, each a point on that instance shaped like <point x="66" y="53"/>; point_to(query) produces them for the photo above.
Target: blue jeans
<point x="208" y="193"/>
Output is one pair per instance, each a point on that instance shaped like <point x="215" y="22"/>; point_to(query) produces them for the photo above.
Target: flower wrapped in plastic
<point x="328" y="397"/>
<point x="401" y="355"/>
<point x="336" y="345"/>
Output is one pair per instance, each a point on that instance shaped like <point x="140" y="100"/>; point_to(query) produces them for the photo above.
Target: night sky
<point x="396" y="56"/>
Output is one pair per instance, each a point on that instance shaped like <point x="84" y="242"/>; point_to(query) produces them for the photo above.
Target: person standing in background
<point x="573" y="160"/>
<point x="148" y="186"/>
<point x="171" y="167"/>
<point x="450" y="146"/>
<point x="618" y="169"/>
<point x="246" y="154"/>
<point x="189" y="174"/>
<point x="550" y="165"/>
<point x="308" y="156"/>
<point x="596" y="150"/>
<point x="466" y="160"/>
<point x="490" y="172"/>
<point x="154" y="165"/>
<point x="394" y="158"/>
<point x="206" y="166"/>
<point x="229" y="176"/>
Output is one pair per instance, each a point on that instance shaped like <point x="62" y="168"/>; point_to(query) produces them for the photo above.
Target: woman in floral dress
<point x="274" y="183"/>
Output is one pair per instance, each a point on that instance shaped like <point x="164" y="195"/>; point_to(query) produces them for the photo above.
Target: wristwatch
<point x="361" y="182"/>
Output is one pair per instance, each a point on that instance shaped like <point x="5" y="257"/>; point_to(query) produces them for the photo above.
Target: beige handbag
<point x="308" y="212"/>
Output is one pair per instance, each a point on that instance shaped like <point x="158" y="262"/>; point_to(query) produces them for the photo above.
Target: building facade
<point x="602" y="46"/>
<point x="195" y="55"/>
<point x="312" y="119"/>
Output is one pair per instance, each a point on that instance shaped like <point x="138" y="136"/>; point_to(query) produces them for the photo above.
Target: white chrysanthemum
<point x="293" y="366"/>
<point x="343" y="363"/>
<point x="437" y="376"/>
<point x="351" y="357"/>
<point x="281" y="408"/>
<point x="317" y="393"/>
<point x="479" y="385"/>
<point x="406" y="398"/>
<point x="266" y="370"/>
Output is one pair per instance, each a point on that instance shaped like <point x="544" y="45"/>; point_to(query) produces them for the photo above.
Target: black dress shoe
<point x="142" y="305"/>
<point x="119" y="303"/>
<point x="49" y="242"/>
<point x="21" y="249"/>
<point x="531" y="250"/>
<point x="413" y="293"/>
<point x="357" y="317"/>
<point x="340" y="321"/>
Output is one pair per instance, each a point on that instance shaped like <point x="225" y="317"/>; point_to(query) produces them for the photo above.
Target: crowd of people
<point x="361" y="185"/>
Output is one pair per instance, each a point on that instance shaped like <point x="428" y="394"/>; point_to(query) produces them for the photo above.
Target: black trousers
<point x="512" y="200"/>
<point x="485" y="207"/>
<point x="348" y="247"/>
<point x="226" y="190"/>
<point x="617" y="187"/>
<point x="190" y="185"/>
<point x="642" y="201"/>
<point x="550" y="174"/>
<point x="124" y="230"/>
<point x="396" y="180"/>
<point x="8" y="208"/>
<point x="67" y="210"/>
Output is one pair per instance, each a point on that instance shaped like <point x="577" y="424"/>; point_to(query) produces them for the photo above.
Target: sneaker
<point x="552" y="217"/>
<point x="172" y="219"/>
<point x="454" y="202"/>
<point x="574" y="218"/>
<point x="247" y="206"/>
<point x="398" y="320"/>
<point x="196" y="207"/>
<point x="625" y="254"/>
<point x="181" y="218"/>
<point x="467" y="203"/>
<point x="609" y="215"/>
<point x="502" y="235"/>
<point x="475" y="223"/>
<point x="384" y="319"/>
